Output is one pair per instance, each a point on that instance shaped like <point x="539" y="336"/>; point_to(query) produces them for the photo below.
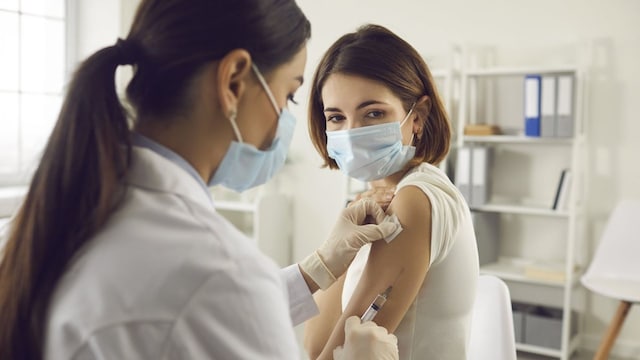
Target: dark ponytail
<point x="79" y="181"/>
<point x="71" y="195"/>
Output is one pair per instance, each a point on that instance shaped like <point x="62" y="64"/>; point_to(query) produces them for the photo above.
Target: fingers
<point x="387" y="229"/>
<point x="370" y="208"/>
<point x="351" y="323"/>
<point x="338" y="353"/>
<point x="371" y="233"/>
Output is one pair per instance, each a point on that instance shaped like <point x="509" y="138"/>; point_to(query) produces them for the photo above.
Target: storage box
<point x="543" y="327"/>
<point x="519" y="314"/>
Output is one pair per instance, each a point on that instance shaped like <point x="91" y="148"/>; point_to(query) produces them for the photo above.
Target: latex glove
<point x="366" y="341"/>
<point x="381" y="195"/>
<point x="349" y="234"/>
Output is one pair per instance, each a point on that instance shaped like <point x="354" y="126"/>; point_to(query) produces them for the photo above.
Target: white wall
<point x="97" y="24"/>
<point x="432" y="27"/>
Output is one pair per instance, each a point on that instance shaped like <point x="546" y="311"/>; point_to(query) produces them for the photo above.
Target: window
<point x="32" y="76"/>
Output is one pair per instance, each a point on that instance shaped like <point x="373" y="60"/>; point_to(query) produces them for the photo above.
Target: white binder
<point x="548" y="107"/>
<point x="463" y="172"/>
<point x="564" y="122"/>
<point x="479" y="175"/>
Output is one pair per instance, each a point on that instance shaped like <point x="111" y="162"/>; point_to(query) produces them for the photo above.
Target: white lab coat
<point x="169" y="278"/>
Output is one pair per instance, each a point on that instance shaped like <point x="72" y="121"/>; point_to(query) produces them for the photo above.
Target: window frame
<point x="22" y="177"/>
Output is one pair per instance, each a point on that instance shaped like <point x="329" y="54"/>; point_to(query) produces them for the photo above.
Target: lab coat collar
<point x="143" y="141"/>
<point x="151" y="170"/>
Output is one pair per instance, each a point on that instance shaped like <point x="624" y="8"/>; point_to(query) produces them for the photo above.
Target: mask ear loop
<point x="266" y="88"/>
<point x="407" y="118"/>
<point x="236" y="130"/>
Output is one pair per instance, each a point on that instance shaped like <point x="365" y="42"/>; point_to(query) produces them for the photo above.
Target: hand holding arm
<point x="349" y="234"/>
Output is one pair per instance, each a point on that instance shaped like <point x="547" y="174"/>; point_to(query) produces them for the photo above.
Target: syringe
<point x="375" y="306"/>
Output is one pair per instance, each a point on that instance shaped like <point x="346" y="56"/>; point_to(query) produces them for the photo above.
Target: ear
<point x="422" y="109"/>
<point x="232" y="74"/>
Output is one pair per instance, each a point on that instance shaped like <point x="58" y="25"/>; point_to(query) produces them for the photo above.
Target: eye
<point x="335" y="118"/>
<point x="375" y="114"/>
<point x="290" y="98"/>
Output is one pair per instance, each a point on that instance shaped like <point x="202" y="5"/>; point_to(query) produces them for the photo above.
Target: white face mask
<point x="371" y="152"/>
<point x="244" y="166"/>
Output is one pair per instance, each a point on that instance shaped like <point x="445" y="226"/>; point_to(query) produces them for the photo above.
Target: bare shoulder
<point x="411" y="205"/>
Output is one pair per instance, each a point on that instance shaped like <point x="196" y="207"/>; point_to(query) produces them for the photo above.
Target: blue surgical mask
<point x="244" y="166"/>
<point x="370" y="152"/>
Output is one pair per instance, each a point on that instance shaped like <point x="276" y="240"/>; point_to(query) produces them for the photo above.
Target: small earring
<point x="419" y="134"/>
<point x="233" y="114"/>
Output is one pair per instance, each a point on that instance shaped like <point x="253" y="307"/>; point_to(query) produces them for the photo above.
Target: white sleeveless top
<point x="436" y="325"/>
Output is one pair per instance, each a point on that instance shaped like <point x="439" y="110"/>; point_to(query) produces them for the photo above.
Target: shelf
<point x="513" y="271"/>
<point x="515" y="71"/>
<point x="519" y="209"/>
<point x="539" y="350"/>
<point x="547" y="276"/>
<point x="234" y="206"/>
<point x="517" y="139"/>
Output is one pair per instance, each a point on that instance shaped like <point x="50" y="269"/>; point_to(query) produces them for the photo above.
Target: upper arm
<point x="402" y="263"/>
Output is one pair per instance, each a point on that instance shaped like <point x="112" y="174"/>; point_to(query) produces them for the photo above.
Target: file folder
<point x="565" y="192"/>
<point x="548" y="107"/>
<point x="532" y="105"/>
<point x="479" y="175"/>
<point x="463" y="172"/>
<point x="564" y="122"/>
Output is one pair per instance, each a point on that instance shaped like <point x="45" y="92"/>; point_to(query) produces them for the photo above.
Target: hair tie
<point x="128" y="53"/>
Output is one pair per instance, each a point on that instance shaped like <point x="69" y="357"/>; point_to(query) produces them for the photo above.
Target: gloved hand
<point x="349" y="234"/>
<point x="366" y="341"/>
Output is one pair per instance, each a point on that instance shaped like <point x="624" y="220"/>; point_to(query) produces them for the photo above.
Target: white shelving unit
<point x="526" y="220"/>
<point x="265" y="218"/>
<point x="447" y="79"/>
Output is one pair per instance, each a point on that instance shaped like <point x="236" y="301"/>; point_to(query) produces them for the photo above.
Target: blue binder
<point x="532" y="93"/>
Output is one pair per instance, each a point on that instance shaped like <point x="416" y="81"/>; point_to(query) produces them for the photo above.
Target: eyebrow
<point x="362" y="105"/>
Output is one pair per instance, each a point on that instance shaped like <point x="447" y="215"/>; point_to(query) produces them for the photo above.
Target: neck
<point x="201" y="148"/>
<point x="390" y="181"/>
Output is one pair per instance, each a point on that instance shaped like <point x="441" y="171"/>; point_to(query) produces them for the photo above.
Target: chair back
<point x="615" y="266"/>
<point x="492" y="335"/>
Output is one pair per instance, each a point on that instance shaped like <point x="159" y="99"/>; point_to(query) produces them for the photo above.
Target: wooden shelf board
<point x="521" y="209"/>
<point x="512" y="271"/>
<point x="515" y="71"/>
<point x="539" y="350"/>
<point x="516" y="139"/>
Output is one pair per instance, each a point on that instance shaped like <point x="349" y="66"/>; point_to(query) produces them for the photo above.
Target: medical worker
<point x="118" y="252"/>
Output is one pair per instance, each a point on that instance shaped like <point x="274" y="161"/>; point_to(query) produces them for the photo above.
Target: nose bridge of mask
<point x="266" y="88"/>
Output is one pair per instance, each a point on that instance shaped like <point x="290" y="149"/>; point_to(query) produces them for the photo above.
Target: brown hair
<point x="79" y="181"/>
<point x="376" y="53"/>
